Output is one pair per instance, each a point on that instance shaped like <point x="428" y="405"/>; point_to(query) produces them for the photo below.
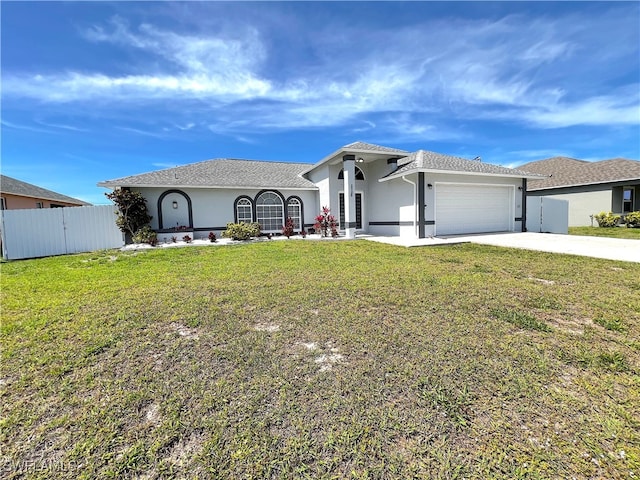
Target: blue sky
<point x="98" y="90"/>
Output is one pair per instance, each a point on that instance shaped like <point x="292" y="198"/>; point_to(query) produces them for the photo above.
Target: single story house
<point x="16" y="194"/>
<point x="370" y="188"/>
<point x="589" y="187"/>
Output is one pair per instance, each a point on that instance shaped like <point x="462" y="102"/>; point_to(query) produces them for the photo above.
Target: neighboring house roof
<point x="569" y="172"/>
<point x="12" y="186"/>
<point x="425" y="161"/>
<point x="222" y="173"/>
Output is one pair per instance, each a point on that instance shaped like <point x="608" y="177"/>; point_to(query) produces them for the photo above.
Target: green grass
<point x="319" y="360"/>
<point x="615" y="232"/>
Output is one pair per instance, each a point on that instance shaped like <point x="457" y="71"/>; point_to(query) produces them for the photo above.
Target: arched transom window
<point x="270" y="212"/>
<point x="244" y="211"/>
<point x="359" y="174"/>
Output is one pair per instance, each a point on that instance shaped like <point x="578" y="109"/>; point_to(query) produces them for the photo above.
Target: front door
<point x="358" y="211"/>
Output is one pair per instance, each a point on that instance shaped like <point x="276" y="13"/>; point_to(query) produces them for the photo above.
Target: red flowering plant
<point x="326" y="223"/>
<point x="288" y="227"/>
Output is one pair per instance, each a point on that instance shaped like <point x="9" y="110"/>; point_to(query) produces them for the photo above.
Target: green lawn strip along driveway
<point x="300" y="359"/>
<point x="615" y="232"/>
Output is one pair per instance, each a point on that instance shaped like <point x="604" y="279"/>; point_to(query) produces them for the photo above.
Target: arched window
<point x="359" y="174"/>
<point x="294" y="210"/>
<point x="244" y="210"/>
<point x="270" y="212"/>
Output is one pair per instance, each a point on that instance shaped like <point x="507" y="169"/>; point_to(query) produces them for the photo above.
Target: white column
<point x="349" y="166"/>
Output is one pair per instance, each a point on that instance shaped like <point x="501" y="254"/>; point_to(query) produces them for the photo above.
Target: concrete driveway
<point x="598" y="247"/>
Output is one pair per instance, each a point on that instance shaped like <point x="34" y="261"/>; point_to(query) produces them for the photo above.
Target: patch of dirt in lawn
<point x="184" y="331"/>
<point x="542" y="280"/>
<point x="184" y="450"/>
<point x="266" y="327"/>
<point x="574" y="326"/>
<point x="152" y="414"/>
<point x="326" y="361"/>
<point x="324" y="356"/>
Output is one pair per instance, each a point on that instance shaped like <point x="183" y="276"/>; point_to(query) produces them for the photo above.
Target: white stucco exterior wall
<point x="212" y="209"/>
<point x="391" y="204"/>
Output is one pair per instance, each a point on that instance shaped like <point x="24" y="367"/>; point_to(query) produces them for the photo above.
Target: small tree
<point x="326" y="223"/>
<point x="132" y="210"/>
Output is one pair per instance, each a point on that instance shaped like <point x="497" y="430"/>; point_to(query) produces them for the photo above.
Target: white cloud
<point x="518" y="68"/>
<point x="602" y="110"/>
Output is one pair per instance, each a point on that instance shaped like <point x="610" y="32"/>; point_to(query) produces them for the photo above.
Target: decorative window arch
<point x="243" y="209"/>
<point x="359" y="174"/>
<point x="294" y="210"/>
<point x="165" y="219"/>
<point x="270" y="211"/>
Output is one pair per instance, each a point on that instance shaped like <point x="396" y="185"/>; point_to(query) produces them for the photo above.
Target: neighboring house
<point x="589" y="187"/>
<point x="370" y="188"/>
<point x="15" y="194"/>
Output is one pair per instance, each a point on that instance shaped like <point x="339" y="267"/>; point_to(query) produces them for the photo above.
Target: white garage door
<point x="465" y="208"/>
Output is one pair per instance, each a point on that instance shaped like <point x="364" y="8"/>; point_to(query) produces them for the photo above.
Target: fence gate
<point x="547" y="215"/>
<point x="43" y="232"/>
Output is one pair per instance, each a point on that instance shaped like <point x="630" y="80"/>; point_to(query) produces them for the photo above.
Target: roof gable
<point x="370" y="147"/>
<point x="221" y="173"/>
<point x="13" y="186"/>
<point x="567" y="172"/>
<point x="423" y="160"/>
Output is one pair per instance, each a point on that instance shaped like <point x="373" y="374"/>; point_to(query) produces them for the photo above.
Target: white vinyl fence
<point x="547" y="215"/>
<point x="55" y="231"/>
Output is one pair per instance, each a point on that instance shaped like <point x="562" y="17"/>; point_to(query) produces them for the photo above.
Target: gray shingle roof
<point x="372" y="147"/>
<point x="224" y="173"/>
<point x="18" y="187"/>
<point x="566" y="172"/>
<point x="423" y="160"/>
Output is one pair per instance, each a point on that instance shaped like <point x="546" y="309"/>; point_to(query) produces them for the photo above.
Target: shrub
<point x="288" y="227"/>
<point x="145" y="235"/>
<point x="186" y="239"/>
<point x="632" y="219"/>
<point x="607" y="220"/>
<point x="326" y="223"/>
<point x="132" y="210"/>
<point x="241" y="231"/>
<point x="174" y="239"/>
<point x="303" y="232"/>
<point x="212" y="237"/>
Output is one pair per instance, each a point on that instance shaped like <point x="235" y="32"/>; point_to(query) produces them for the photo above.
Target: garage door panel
<point x="467" y="208"/>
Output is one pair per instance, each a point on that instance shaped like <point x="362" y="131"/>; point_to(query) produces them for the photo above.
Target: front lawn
<point x="336" y="359"/>
<point x="615" y="232"/>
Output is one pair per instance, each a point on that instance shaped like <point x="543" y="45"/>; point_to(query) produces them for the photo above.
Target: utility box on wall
<point x="547" y="215"/>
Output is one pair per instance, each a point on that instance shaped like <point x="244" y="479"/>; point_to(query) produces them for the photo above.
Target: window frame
<point x="274" y="220"/>
<point x="631" y="201"/>
<point x="299" y="225"/>
<point x="359" y="174"/>
<point x="243" y="198"/>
